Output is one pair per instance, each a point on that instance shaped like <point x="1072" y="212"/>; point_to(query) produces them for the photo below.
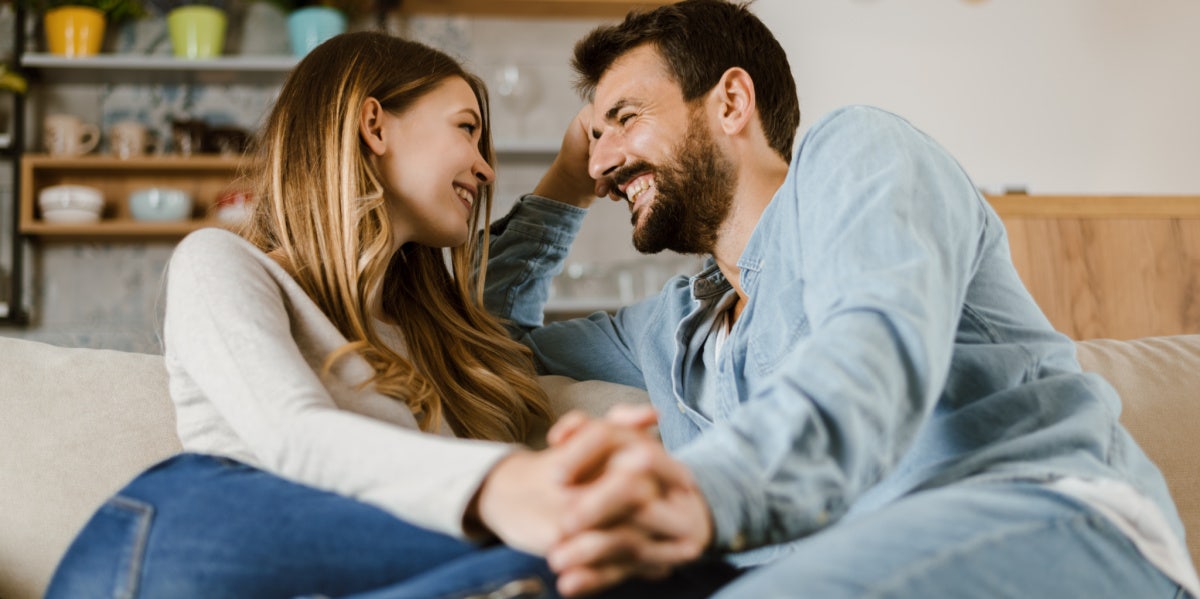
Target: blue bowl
<point x="160" y="204"/>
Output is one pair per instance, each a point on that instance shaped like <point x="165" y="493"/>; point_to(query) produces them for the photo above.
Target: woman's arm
<point x="229" y="331"/>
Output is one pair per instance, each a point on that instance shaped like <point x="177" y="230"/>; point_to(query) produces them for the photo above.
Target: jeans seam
<point x="128" y="588"/>
<point x="895" y="582"/>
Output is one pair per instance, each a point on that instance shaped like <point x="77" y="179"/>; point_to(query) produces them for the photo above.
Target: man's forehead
<point x="638" y="76"/>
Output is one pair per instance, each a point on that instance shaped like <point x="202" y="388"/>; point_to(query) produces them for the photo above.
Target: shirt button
<point x="738" y="542"/>
<point x="682" y="408"/>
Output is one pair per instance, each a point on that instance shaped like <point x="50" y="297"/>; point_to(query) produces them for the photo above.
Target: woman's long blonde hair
<point x="322" y="213"/>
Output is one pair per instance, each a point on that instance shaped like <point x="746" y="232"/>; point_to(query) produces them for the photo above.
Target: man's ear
<point x="734" y="96"/>
<point x="370" y="125"/>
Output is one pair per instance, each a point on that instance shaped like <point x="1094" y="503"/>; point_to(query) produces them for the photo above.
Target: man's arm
<point x="890" y="228"/>
<point x="527" y="249"/>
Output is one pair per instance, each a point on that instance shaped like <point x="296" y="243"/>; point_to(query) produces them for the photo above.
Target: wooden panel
<point x="1109" y="267"/>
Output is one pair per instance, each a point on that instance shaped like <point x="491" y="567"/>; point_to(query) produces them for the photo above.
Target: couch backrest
<point x="1159" y="382"/>
<point x="75" y="426"/>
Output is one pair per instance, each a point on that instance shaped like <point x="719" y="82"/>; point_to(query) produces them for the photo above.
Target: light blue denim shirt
<point x="888" y="344"/>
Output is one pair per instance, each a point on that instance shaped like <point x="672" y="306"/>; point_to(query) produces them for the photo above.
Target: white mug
<point x="127" y="139"/>
<point x="67" y="135"/>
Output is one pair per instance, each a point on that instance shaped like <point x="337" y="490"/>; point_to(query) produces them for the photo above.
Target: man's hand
<point x="568" y="180"/>
<point x="638" y="511"/>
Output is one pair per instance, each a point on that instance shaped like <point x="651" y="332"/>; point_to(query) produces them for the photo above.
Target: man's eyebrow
<point x="611" y="113"/>
<point x="616" y="108"/>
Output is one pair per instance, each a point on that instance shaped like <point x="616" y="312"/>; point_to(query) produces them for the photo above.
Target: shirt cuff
<point x="735" y="496"/>
<point x="542" y="219"/>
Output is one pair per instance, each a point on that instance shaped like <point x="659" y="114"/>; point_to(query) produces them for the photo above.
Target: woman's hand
<point x="522" y="501"/>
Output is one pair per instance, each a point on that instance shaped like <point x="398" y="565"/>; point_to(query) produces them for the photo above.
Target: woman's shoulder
<point x="219" y="251"/>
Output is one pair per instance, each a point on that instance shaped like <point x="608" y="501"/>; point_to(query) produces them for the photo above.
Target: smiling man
<point x="859" y="397"/>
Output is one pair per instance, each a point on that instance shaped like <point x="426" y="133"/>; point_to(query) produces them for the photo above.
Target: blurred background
<point x="1082" y="97"/>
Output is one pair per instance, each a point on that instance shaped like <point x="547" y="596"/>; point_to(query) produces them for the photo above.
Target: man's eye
<point x="624" y="119"/>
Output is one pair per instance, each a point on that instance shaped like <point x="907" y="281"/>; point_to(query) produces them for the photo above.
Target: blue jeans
<point x="972" y="540"/>
<point x="203" y="526"/>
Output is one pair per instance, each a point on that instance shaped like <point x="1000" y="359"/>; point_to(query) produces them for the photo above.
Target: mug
<point x="68" y="135"/>
<point x="226" y="140"/>
<point x="187" y="135"/>
<point x="127" y="139"/>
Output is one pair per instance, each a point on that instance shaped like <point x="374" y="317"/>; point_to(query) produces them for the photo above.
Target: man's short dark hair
<point x="700" y="40"/>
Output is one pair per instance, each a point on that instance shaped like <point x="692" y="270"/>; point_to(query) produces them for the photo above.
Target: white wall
<point x="1062" y="96"/>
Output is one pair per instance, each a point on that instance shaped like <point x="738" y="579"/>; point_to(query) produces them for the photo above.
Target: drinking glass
<point x="517" y="89"/>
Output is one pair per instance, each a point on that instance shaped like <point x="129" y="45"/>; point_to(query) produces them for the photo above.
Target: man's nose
<point x="606" y="157"/>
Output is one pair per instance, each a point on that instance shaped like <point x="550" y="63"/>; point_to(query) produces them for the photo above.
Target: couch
<point x="76" y="424"/>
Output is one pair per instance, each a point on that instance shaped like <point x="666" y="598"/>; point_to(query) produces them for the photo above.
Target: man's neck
<point x="758" y="180"/>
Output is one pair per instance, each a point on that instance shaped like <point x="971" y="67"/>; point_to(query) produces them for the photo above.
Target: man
<point x="858" y="387"/>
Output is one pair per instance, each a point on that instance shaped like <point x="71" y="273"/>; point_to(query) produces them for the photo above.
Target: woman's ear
<point x="370" y="125"/>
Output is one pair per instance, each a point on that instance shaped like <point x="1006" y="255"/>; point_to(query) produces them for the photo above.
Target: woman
<point x="341" y="395"/>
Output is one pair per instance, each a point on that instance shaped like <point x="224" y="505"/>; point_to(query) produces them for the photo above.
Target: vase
<point x="197" y="31"/>
<point x="308" y="27"/>
<point x="74" y="30"/>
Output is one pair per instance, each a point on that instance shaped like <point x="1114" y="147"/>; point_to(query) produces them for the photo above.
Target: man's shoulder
<point x="860" y="131"/>
<point x="860" y="121"/>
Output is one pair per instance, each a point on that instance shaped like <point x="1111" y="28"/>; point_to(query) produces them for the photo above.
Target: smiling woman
<point x="326" y="366"/>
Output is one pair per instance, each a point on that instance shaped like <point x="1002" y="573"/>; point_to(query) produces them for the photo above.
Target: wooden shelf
<point x="205" y="177"/>
<point x="159" y="69"/>
<point x="529" y="8"/>
<point x="118" y="229"/>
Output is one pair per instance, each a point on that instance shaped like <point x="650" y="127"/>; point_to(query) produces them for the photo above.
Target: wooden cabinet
<point x="204" y="177"/>
<point x="1108" y="267"/>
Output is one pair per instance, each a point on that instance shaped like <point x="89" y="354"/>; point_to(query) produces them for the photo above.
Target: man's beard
<point x="694" y="192"/>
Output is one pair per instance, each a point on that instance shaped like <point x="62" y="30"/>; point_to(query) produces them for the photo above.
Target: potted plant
<point x="76" y="27"/>
<point x="196" y="27"/>
<point x="311" y="22"/>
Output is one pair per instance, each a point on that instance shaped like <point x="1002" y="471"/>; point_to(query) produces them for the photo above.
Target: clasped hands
<point x="605" y="502"/>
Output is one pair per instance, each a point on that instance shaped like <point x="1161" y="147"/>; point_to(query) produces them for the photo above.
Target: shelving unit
<point x="204" y="177"/>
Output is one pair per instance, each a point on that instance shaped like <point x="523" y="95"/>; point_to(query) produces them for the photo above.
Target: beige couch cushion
<point x="77" y="424"/>
<point x="1159" y="382"/>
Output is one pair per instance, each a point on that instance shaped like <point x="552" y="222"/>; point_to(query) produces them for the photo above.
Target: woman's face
<point x="431" y="166"/>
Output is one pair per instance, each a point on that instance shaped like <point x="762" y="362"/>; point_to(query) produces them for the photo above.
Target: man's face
<point x="657" y="153"/>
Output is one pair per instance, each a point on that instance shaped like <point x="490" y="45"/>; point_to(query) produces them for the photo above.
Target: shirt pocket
<point x="777" y="324"/>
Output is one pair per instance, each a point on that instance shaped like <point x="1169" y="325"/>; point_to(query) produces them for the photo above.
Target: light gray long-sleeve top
<point x="245" y="347"/>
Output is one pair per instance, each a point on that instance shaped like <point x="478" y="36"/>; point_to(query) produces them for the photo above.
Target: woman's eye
<point x="470" y="128"/>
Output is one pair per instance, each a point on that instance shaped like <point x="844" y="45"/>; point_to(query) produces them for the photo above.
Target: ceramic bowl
<point x="160" y="204"/>
<point x="70" y="203"/>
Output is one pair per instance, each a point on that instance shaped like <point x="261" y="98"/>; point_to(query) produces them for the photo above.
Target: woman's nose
<point x="484" y="172"/>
